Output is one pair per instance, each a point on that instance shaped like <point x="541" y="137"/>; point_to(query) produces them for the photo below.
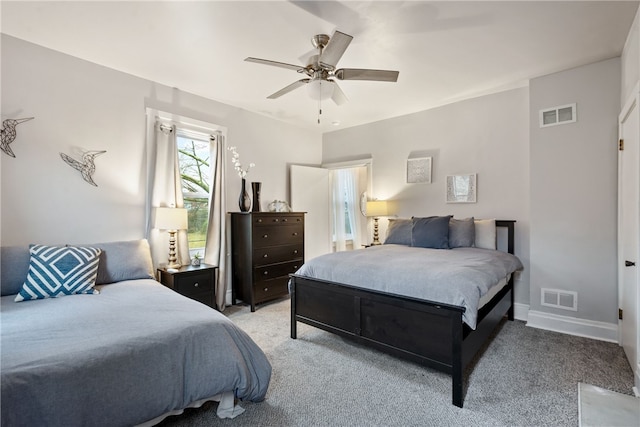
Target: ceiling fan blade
<point x="364" y="74"/>
<point x="338" y="95"/>
<point x="298" y="68"/>
<point x="287" y="89"/>
<point x="334" y="50"/>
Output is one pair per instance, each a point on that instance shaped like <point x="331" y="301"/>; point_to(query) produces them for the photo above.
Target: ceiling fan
<point x="321" y="69"/>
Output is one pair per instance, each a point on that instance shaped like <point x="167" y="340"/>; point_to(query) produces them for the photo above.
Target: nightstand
<point x="198" y="283"/>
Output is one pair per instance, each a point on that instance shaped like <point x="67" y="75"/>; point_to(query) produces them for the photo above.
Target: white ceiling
<point x="445" y="51"/>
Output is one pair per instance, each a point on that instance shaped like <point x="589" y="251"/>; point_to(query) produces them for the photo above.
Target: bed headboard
<point x="509" y="224"/>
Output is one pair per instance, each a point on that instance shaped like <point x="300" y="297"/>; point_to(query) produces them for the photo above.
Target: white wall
<point x="486" y="135"/>
<point x="80" y="105"/>
<point x="574" y="190"/>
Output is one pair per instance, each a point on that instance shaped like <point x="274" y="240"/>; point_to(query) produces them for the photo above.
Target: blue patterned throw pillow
<point x="60" y="270"/>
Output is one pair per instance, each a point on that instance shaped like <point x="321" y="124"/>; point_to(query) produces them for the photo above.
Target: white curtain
<point x="338" y="223"/>
<point x="345" y="201"/>
<point x="215" y="251"/>
<point x="164" y="189"/>
<point x="352" y="186"/>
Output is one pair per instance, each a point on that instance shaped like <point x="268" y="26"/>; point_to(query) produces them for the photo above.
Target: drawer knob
<point x="266" y="289"/>
<point x="265" y="236"/>
<point x="295" y="267"/>
<point x="295" y="234"/>
<point x="284" y="220"/>
<point x="259" y="219"/>
<point x="265" y="256"/>
<point x="266" y="273"/>
<point x="275" y="220"/>
<point x="195" y="284"/>
<point x="295" y="252"/>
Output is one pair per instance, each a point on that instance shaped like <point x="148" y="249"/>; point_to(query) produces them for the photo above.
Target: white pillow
<point x="485" y="233"/>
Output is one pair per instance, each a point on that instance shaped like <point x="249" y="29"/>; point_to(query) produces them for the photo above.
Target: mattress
<point x="459" y="277"/>
<point x="125" y="356"/>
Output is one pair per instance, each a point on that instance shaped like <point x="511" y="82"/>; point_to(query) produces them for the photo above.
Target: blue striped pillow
<point x="60" y="270"/>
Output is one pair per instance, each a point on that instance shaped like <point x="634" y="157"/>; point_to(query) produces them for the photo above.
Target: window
<point x="195" y="171"/>
<point x="348" y="185"/>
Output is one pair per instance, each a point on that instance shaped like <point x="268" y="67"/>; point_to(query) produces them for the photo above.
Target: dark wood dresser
<point x="266" y="248"/>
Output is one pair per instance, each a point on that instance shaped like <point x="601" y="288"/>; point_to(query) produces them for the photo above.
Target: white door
<point x="629" y="229"/>
<point x="310" y="194"/>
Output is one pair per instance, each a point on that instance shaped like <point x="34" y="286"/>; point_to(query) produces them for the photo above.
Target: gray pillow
<point x="431" y="232"/>
<point x="399" y="232"/>
<point x="462" y="233"/>
<point x="127" y="260"/>
<point x="118" y="261"/>
<point x="14" y="264"/>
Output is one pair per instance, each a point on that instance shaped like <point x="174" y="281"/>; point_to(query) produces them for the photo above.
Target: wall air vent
<point x="566" y="300"/>
<point x="558" y="115"/>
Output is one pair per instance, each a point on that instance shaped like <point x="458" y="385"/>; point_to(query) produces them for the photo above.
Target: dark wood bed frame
<point x="426" y="332"/>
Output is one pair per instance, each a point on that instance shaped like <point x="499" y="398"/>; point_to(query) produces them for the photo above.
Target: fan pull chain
<point x="319" y="109"/>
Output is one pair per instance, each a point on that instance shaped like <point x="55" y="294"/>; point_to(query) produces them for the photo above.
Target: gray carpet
<point x="523" y="377"/>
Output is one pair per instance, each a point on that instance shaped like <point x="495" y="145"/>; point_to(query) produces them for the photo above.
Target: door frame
<point x="631" y="106"/>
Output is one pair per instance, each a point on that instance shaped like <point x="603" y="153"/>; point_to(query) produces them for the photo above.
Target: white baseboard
<point x="520" y="311"/>
<point x="573" y="326"/>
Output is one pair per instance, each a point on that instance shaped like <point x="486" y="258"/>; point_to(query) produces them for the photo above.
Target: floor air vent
<point x="566" y="300"/>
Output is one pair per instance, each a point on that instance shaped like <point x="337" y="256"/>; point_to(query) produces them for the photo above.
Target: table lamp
<point x="375" y="209"/>
<point x="172" y="220"/>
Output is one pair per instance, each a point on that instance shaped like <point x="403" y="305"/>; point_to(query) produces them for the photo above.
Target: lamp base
<point x="376" y="241"/>
<point x="173" y="259"/>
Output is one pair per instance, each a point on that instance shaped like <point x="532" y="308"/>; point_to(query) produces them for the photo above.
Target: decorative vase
<point x="255" y="186"/>
<point x="244" y="201"/>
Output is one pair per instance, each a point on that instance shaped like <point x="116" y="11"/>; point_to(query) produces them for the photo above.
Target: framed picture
<point x="419" y="170"/>
<point x="462" y="188"/>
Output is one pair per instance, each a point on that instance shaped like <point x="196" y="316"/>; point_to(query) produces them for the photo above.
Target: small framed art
<point x="462" y="188"/>
<point x="419" y="170"/>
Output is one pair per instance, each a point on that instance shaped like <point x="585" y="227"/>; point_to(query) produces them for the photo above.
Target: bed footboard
<point x="424" y="332"/>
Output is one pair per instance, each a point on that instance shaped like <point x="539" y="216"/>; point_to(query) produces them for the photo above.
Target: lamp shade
<point x="377" y="208"/>
<point x="319" y="89"/>
<point x="171" y="218"/>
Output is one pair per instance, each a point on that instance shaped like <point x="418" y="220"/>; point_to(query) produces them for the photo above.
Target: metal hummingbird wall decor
<point x="86" y="167"/>
<point x="8" y="134"/>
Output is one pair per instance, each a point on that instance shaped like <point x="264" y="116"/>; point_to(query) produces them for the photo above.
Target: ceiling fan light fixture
<point x="320" y="90"/>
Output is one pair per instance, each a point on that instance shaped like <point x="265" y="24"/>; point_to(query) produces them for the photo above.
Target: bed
<point x="130" y="355"/>
<point x="368" y="307"/>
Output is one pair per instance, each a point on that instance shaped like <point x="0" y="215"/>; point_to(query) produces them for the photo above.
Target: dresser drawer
<point x="275" y="219"/>
<point x="272" y="271"/>
<point x="272" y="235"/>
<point x="204" y="297"/>
<point x="270" y="289"/>
<point x="275" y="254"/>
<point x="194" y="284"/>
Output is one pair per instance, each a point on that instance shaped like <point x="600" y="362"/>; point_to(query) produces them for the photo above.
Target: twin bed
<point x="130" y="355"/>
<point x="427" y="304"/>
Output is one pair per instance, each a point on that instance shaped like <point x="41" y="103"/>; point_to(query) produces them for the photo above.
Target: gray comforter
<point x="128" y="355"/>
<point x="457" y="276"/>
